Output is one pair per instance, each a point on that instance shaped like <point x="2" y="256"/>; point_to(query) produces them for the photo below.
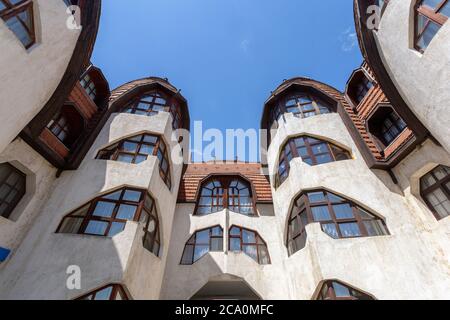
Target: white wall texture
<point x="22" y="95"/>
<point x="422" y="79"/>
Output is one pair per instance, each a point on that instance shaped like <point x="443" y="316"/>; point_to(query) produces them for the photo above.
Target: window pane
<point x="235" y="244"/>
<point x="349" y="229"/>
<point x="200" y="251"/>
<point x="316" y="197"/>
<point x="217" y="244"/>
<point x="188" y="255"/>
<point x="126" y="212"/>
<point x="96" y="227"/>
<point x="104" y="209"/>
<point x="250" y="251"/>
<point x="125" y="158"/>
<point x="202" y="237"/>
<point x="104" y="294"/>
<point x="71" y="225"/>
<point x="330" y="229"/>
<point x="340" y="290"/>
<point x="321" y="213"/>
<point x="375" y="228"/>
<point x="343" y="211"/>
<point x="116" y="227"/>
<point x="132" y="195"/>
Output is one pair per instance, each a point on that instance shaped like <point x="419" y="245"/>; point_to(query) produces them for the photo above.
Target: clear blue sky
<point x="227" y="55"/>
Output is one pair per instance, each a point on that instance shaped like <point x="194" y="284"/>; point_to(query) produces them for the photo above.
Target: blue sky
<point x="227" y="55"/>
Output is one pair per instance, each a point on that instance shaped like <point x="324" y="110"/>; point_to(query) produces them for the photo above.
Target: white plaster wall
<point x="40" y="178"/>
<point x="29" y="77"/>
<point x="38" y="271"/>
<point x="183" y="281"/>
<point x="422" y="79"/>
<point x="410" y="263"/>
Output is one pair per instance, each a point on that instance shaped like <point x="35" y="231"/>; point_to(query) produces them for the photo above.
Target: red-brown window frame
<point x="225" y="182"/>
<point x="193" y="239"/>
<point x="439" y="184"/>
<point x="160" y="151"/>
<point x="13" y="10"/>
<point x="306" y="208"/>
<point x="242" y="243"/>
<point x="116" y="289"/>
<point x="289" y="148"/>
<point x="430" y="14"/>
<point x="327" y="292"/>
<point x="141" y="211"/>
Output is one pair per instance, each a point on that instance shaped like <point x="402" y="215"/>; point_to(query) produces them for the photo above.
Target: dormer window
<point x="431" y="15"/>
<point x="67" y="125"/>
<point x="89" y="86"/>
<point x="336" y="290"/>
<point x="386" y="125"/>
<point x="18" y="16"/>
<point x="358" y="86"/>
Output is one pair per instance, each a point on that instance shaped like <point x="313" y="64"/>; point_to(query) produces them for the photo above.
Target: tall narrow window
<point x="108" y="214"/>
<point x="89" y="86"/>
<point x="431" y="15"/>
<point x="201" y="243"/>
<point x="67" y="125"/>
<point x="18" y="16"/>
<point x="175" y="111"/>
<point x="109" y="292"/>
<point x="12" y="188"/>
<point x="137" y="149"/>
<point x="340" y="218"/>
<point x="435" y="190"/>
<point x="249" y="242"/>
<point x="335" y="290"/>
<point x="311" y="150"/>
<point x="225" y="192"/>
<point x="301" y="105"/>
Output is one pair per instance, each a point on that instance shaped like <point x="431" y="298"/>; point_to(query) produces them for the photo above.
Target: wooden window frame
<point x="432" y="15"/>
<point x="13" y="10"/>
<point x="289" y="151"/>
<point x="160" y="150"/>
<point x="86" y="84"/>
<point x="439" y="184"/>
<point x="192" y="241"/>
<point x="330" y="293"/>
<point x="20" y="192"/>
<point x="170" y="105"/>
<point x="257" y="244"/>
<point x="305" y="208"/>
<point x="280" y="108"/>
<point x="117" y="289"/>
<point x="224" y="182"/>
<point x="86" y="213"/>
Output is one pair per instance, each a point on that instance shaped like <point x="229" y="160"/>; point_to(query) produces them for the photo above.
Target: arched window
<point x="67" y="125"/>
<point x="109" y="292"/>
<point x="89" y="86"/>
<point x="107" y="215"/>
<point x="249" y="242"/>
<point x="149" y="104"/>
<point x="12" y="188"/>
<point x="311" y="150"/>
<point x="435" y="190"/>
<point x="201" y="243"/>
<point x="18" y="16"/>
<point x="386" y="125"/>
<point x="340" y="218"/>
<point x="430" y="16"/>
<point x="335" y="290"/>
<point x="302" y="105"/>
<point x="137" y="149"/>
<point x="225" y="192"/>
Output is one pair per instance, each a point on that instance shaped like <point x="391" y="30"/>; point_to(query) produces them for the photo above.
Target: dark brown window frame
<point x="192" y="241"/>
<point x="328" y="292"/>
<point x="142" y="213"/>
<point x="304" y="211"/>
<point x="160" y="150"/>
<point x="280" y="107"/>
<point x="432" y="15"/>
<point x="376" y="122"/>
<point x="20" y="192"/>
<point x="117" y="289"/>
<point x="13" y="10"/>
<point x="225" y="181"/>
<point x="169" y="105"/>
<point x="289" y="151"/>
<point x="259" y="242"/>
<point x="69" y="113"/>
<point x="89" y="86"/>
<point x="439" y="184"/>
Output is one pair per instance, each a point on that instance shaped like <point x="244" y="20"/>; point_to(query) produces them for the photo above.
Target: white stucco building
<point x="351" y="200"/>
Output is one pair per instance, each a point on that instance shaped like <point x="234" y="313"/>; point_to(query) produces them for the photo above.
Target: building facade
<point x="98" y="198"/>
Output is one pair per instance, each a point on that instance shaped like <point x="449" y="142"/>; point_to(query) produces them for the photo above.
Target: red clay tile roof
<point x="196" y="172"/>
